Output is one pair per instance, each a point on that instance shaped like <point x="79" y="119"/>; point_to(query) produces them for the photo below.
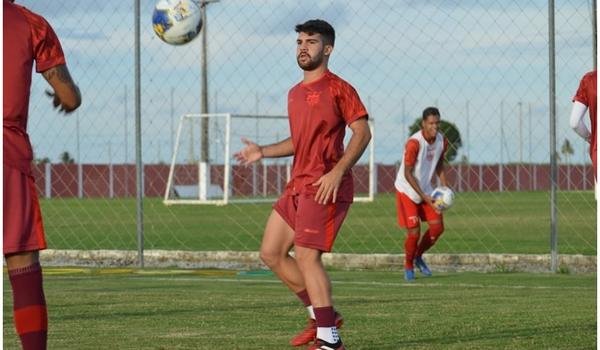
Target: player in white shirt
<point x="423" y="158"/>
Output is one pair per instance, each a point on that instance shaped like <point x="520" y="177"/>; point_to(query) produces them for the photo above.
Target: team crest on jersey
<point x="312" y="98"/>
<point x="430" y="153"/>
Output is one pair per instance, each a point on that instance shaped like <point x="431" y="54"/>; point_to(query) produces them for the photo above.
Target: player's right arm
<point x="66" y="95"/>
<point x="411" y="151"/>
<point x="408" y="175"/>
<point x="253" y="152"/>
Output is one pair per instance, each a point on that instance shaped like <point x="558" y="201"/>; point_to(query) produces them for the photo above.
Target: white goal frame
<point x="204" y="168"/>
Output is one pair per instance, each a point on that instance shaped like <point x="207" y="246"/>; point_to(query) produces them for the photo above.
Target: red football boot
<point x="309" y="333"/>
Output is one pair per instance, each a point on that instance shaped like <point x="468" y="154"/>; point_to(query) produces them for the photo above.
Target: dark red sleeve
<point x="349" y="104"/>
<point x="47" y="51"/>
<point x="581" y="95"/>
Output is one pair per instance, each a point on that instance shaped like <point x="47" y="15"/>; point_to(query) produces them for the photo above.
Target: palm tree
<point x="567" y="150"/>
<point x="65" y="158"/>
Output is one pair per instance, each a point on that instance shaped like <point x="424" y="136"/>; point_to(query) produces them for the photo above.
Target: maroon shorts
<point x="410" y="214"/>
<point x="23" y="228"/>
<point x="315" y="225"/>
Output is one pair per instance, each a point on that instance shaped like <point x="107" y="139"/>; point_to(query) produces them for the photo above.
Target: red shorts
<point x="410" y="214"/>
<point x="23" y="228"/>
<point x="315" y="225"/>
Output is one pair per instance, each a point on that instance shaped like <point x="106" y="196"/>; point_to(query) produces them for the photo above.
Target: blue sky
<point x="400" y="55"/>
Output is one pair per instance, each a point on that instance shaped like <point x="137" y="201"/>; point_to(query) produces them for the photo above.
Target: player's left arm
<point x="50" y="62"/>
<point x="330" y="182"/>
<point x="440" y="169"/>
<point x="441" y="172"/>
<point x="66" y="95"/>
<point x="581" y="101"/>
<point x="576" y="120"/>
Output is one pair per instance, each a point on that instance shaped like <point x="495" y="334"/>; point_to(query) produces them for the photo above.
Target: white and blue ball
<point x="177" y="22"/>
<point x="442" y="198"/>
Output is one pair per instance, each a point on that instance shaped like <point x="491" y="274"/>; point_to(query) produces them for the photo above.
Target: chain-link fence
<point x="485" y="64"/>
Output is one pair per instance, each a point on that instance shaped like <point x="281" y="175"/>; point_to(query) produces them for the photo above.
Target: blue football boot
<point x="409" y="275"/>
<point x="420" y="263"/>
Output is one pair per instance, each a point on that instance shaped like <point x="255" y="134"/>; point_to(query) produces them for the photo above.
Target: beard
<point x="311" y="63"/>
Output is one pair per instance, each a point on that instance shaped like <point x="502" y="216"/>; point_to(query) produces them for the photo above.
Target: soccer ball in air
<point x="177" y="22"/>
<point x="442" y="197"/>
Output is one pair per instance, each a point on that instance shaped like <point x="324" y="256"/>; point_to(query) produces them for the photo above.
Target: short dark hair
<point x="318" y="26"/>
<point x="430" y="111"/>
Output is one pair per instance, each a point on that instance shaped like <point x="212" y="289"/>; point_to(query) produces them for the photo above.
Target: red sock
<point x="429" y="238"/>
<point x="29" y="306"/>
<point x="410" y="249"/>
<point x="303" y="296"/>
<point x="325" y="316"/>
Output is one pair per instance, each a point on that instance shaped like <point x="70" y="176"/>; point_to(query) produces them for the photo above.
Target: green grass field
<point x="208" y="309"/>
<point x="489" y="222"/>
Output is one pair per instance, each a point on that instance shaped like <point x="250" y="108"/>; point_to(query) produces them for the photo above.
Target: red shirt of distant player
<point x="586" y="94"/>
<point x="27" y="38"/>
<point x="318" y="114"/>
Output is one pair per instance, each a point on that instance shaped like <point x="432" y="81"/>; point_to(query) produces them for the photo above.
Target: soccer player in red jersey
<point x="28" y="38"/>
<point x="584" y="99"/>
<point x="423" y="158"/>
<point x="316" y="200"/>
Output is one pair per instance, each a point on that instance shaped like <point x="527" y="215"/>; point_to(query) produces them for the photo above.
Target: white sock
<point x="328" y="334"/>
<point x="311" y="312"/>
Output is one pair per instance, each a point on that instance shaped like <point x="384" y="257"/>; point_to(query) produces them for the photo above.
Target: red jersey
<point x="27" y="38"/>
<point x="586" y="94"/>
<point x="318" y="114"/>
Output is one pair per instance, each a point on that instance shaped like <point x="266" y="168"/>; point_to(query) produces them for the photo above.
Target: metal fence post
<point x="553" y="164"/>
<point x="138" y="141"/>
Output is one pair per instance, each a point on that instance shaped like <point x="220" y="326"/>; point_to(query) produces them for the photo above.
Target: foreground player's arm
<point x="253" y="152"/>
<point x="330" y="182"/>
<point x="576" y="120"/>
<point x="66" y="96"/>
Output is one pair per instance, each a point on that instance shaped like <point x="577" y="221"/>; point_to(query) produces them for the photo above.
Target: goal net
<point x="203" y="170"/>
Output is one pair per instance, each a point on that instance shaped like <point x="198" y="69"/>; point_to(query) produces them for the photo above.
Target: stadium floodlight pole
<point x="138" y="141"/>
<point x="553" y="153"/>
<point x="204" y="181"/>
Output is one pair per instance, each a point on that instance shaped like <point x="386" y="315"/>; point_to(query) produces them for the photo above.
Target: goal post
<point x="369" y="157"/>
<point x="196" y="191"/>
<point x="220" y="180"/>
